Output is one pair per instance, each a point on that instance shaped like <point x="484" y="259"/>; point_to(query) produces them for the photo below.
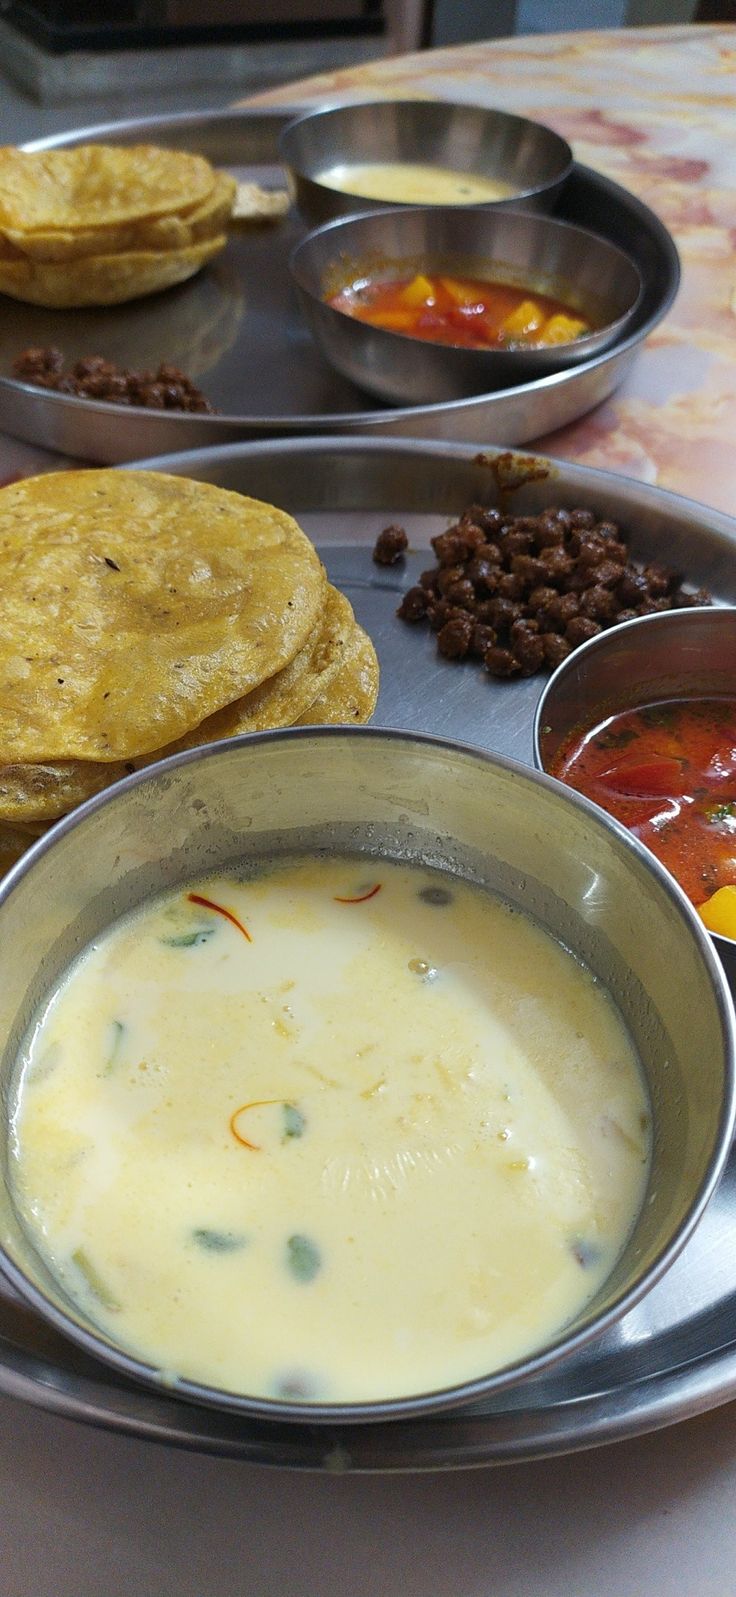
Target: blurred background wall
<point x="76" y="61"/>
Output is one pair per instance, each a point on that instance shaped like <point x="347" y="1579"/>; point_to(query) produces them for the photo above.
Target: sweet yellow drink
<point x="345" y="1131"/>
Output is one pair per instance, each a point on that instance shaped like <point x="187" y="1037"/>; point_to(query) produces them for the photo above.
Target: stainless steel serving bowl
<point x="586" y="272"/>
<point x="392" y="795"/>
<point x="681" y="654"/>
<point x="533" y="159"/>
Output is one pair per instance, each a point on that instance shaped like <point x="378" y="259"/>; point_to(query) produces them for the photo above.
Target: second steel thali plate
<point x="674" y="1355"/>
<point x="236" y="328"/>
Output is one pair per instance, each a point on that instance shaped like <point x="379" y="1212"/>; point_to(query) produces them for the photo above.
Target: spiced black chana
<point x="518" y="593"/>
<point x="391" y="544"/>
<point x="93" y="377"/>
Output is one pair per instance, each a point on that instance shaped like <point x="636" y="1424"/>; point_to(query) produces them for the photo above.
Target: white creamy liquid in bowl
<point x="413" y="183"/>
<point x="343" y="1132"/>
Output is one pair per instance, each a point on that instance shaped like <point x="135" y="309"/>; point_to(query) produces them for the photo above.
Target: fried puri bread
<point x="142" y="234"/>
<point x="39" y="792"/>
<point x="136" y="604"/>
<point x="45" y="791"/>
<point x="256" y="204"/>
<point x="350" y="698"/>
<point x="281" y="700"/>
<point x="104" y="279"/>
<point x="103" y="224"/>
<point x="98" y="185"/>
<point x="14" y="840"/>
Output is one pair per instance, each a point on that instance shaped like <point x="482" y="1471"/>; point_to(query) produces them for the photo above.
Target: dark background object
<point x="715" y="11"/>
<point x="65" y="25"/>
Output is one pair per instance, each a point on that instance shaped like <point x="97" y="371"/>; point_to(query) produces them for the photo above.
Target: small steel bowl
<point x="390" y="795"/>
<point x="462" y="138"/>
<point x="586" y="272"/>
<point x="681" y="654"/>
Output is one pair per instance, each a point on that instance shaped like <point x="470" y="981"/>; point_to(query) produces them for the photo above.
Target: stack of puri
<point x="142" y="614"/>
<point x="99" y="224"/>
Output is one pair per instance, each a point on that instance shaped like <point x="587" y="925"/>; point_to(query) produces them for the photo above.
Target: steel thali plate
<point x="674" y="1355"/>
<point x="237" y="330"/>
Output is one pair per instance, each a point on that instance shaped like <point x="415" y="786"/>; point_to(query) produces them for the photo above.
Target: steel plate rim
<point x="379" y="418"/>
<point x="450" y="1401"/>
<point x="509" y="1436"/>
<point x="468" y="1439"/>
<point x="309" y="444"/>
<point x="208" y="116"/>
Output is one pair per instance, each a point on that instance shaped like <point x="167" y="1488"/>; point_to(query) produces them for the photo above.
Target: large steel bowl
<point x="588" y="273"/>
<point x="391" y="795"/>
<point x="681" y="654"/>
<point x="531" y="158"/>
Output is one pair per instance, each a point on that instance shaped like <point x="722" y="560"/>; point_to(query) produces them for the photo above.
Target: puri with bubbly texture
<point x="99" y="224"/>
<point x="143" y="614"/>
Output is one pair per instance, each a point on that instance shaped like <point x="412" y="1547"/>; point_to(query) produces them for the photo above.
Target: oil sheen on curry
<point x="341" y="1132"/>
<point x="667" y="771"/>
<point x="466" y="312"/>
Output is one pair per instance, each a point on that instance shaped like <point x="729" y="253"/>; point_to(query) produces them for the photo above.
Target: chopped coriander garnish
<point x="294" y="1121"/>
<point x="586" y="1253"/>
<point x="722" y="812"/>
<point x="117" y="1032"/>
<point x="615" y="740"/>
<point x="214" y="1241"/>
<point x="190" y="939"/>
<point x="303" y="1258"/>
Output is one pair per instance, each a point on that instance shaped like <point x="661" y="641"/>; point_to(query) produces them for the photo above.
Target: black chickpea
<point x="519" y="592"/>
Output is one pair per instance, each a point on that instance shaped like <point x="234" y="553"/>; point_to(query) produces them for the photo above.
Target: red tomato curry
<point x="668" y="772"/>
<point x="462" y="310"/>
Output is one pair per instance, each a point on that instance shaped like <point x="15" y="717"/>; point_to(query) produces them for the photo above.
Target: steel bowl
<point x="586" y="272"/>
<point x="680" y="654"/>
<point x="382" y="794"/>
<point x="463" y="138"/>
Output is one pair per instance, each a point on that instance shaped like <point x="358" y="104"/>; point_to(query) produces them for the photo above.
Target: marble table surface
<point x="84" y="1513"/>
<point x="654" y="109"/>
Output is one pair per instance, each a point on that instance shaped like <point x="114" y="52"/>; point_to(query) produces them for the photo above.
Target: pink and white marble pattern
<point x="655" y="109"/>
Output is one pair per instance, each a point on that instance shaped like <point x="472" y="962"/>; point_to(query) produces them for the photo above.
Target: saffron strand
<point x="208" y="903"/>
<point x="361" y="897"/>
